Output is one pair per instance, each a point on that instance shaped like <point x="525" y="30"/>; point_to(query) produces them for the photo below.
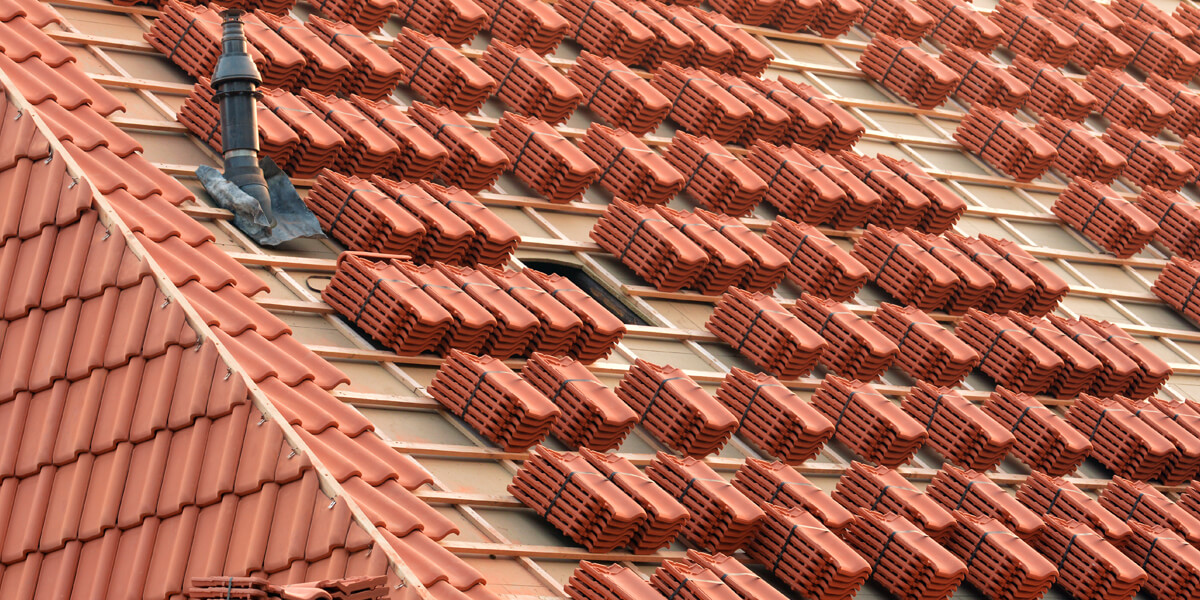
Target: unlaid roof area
<point x="619" y="299"/>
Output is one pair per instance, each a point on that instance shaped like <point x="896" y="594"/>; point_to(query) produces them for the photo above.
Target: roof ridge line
<point x="109" y="217"/>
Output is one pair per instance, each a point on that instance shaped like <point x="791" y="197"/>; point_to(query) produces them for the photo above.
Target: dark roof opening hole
<point x="592" y="287"/>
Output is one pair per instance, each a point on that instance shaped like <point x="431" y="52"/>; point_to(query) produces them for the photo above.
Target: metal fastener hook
<point x="228" y="373"/>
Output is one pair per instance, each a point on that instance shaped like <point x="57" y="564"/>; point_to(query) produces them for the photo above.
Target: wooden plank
<point x="556" y="552"/>
<point x="321" y="265"/>
<point x="488" y="500"/>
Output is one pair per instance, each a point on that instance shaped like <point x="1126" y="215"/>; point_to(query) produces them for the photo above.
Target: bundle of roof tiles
<point x="739" y="578"/>
<point x="543" y="159"/>
<point x="1157" y="52"/>
<point x="576" y="499"/>
<point x="675" y="410"/>
<point x="780" y="484"/>
<point x="727" y="264"/>
<point x="854" y="349"/>
<point x="1170" y="562"/>
<point x="366" y="15"/>
<point x="528" y="84"/>
<point x="593" y="581"/>
<point x="867" y="422"/>
<point x="1097" y="46"/>
<point x="901" y="204"/>
<point x="1148" y="163"/>
<point x="772" y="417"/>
<point x="631" y="170"/>
<point x="1178" y="221"/>
<point x="473" y="162"/>
<point x="815" y="263"/>
<point x="956" y="23"/>
<point x="353" y="588"/>
<point x="760" y="329"/>
<point x="439" y="73"/>
<point x="1009" y="354"/>
<point x="983" y="80"/>
<point x="908" y="71"/>
<point x="1080" y="366"/>
<point x="373" y="73"/>
<point x="714" y="178"/>
<point x="899" y="18"/>
<point x="957" y="428"/>
<point x="1177" y="284"/>
<point x="909" y="564"/>
<point x="1027" y="33"/>
<point x="1139" y="501"/>
<point x="1051" y="93"/>
<point x="974" y="285"/>
<point x="928" y="351"/>
<point x="709" y="47"/>
<point x="593" y="416"/>
<point x="1101" y="14"/>
<point x="665" y="516"/>
<point x="1005" y="143"/>
<point x="810" y="559"/>
<point x="813" y="120"/>
<point x="617" y="94"/>
<point x="1089" y="567"/>
<point x="672" y="39"/>
<point x="1183" y="463"/>
<point x="1022" y="282"/>
<point x="1057" y="497"/>
<point x="1081" y="153"/>
<point x="1130" y="368"/>
<point x="516" y="325"/>
<point x="883" y="489"/>
<point x="1185" y="119"/>
<point x="1102" y="216"/>
<point x="973" y="493"/>
<point x="456" y="21"/>
<point x="904" y="269"/>
<point x="1125" y="102"/>
<point x="326" y="69"/>
<point x="527" y="23"/>
<point x="795" y="187"/>
<point x="603" y="28"/>
<point x="1044" y="441"/>
<point x="493" y="400"/>
<point x="722" y="518"/>
<point x="1000" y="564"/>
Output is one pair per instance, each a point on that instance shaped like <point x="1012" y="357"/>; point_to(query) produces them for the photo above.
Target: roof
<point x="179" y="402"/>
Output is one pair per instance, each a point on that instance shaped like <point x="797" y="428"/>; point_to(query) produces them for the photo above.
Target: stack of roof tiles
<point x="277" y="139"/>
<point x="1158" y="52"/>
<point x="867" y="422"/>
<point x="1125" y="102"/>
<point x="709" y="47"/>
<point x="325" y="69"/>
<point x="616" y="94"/>
<point x="1141" y="502"/>
<point x="671" y="43"/>
<point x="957" y="428"/>
<point x="420" y="154"/>
<point x="1027" y="33"/>
<point x="631" y="170"/>
<point x="727" y="263"/>
<point x="603" y="28"/>
<point x="908" y="71"/>
<point x="1089" y="567"/>
<point x="974" y="284"/>
<point x="1170" y="562"/>
<point x="945" y="206"/>
<point x="767" y="264"/>
<point x="474" y="162"/>
<point x="854" y="349"/>
<point x="665" y="516"/>
<point x="973" y="493"/>
<point x="1000" y="564"/>
<point x="493" y="400"/>
<point x="1044" y="441"/>
<point x="816" y="264"/>
<point x="1185" y="119"/>
<point x="494" y="241"/>
<point x="373" y="72"/>
<point x="1099" y="13"/>
<point x="528" y="23"/>
<point x="1005" y="143"/>
<point x="1080" y="366"/>
<point x="353" y="588"/>
<point x="772" y="417"/>
<point x="744" y="582"/>
<point x="1184" y="460"/>
<point x="904" y="269"/>
<point x="1177" y="284"/>
<point x="576" y="499"/>
<point x="714" y="178"/>
<point x="760" y="329"/>
<point x="1057" y="497"/>
<point x="956" y="23"/>
<point x="528" y="84"/>
<point x="780" y="484"/>
<point x="899" y="18"/>
<point x="1148" y="163"/>
<point x="592" y="414"/>
<point x="1129" y="368"/>
<point x="928" y="351"/>
<point x="1009" y="354"/>
<point x="543" y="159"/>
<point x="983" y="80"/>
<point x="1097" y="46"/>
<point x="803" y="115"/>
<point x="675" y="410"/>
<point x="593" y="581"/>
<point x="909" y="564"/>
<point x="439" y="73"/>
<point x="1051" y="93"/>
<point x="1081" y="153"/>
<point x="884" y="490"/>
<point x="368" y="149"/>
<point x="1178" y="221"/>
<point x="456" y="21"/>
<point x="795" y="187"/>
<point x="901" y="204"/>
<point x="574" y="324"/>
<point x="750" y="56"/>
<point x="722" y="518"/>
<point x="1023" y="283"/>
<point x="366" y="15"/>
<point x="809" y="558"/>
